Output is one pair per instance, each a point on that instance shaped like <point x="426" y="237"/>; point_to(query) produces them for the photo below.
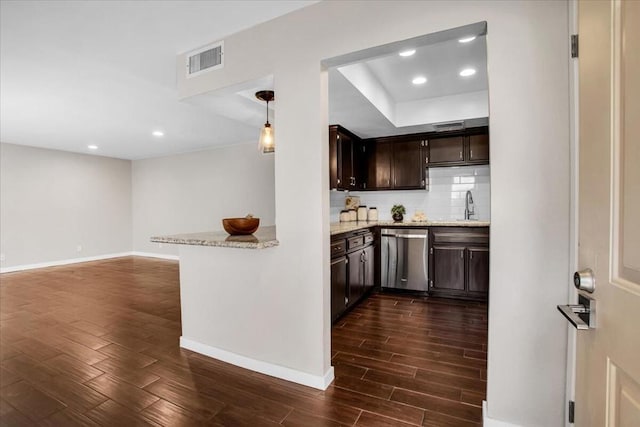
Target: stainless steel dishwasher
<point x="404" y="259"/>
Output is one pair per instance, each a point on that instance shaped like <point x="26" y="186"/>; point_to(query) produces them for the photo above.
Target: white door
<point x="608" y="357"/>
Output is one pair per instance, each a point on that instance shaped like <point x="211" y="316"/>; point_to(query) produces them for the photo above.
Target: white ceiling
<point x="371" y="91"/>
<point x="75" y="73"/>
<point x="440" y="63"/>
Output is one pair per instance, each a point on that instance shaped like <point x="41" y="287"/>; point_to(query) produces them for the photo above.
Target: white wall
<point x="445" y="199"/>
<point x="52" y="201"/>
<point x="529" y="121"/>
<point x="192" y="192"/>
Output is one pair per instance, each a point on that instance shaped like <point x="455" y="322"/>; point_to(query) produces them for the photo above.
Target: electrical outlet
<point x="79" y="248"/>
<point x="2" y="258"/>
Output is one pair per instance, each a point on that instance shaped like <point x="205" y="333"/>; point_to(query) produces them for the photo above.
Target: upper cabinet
<point x="462" y="148"/>
<point x="408" y="167"/>
<point x="400" y="162"/>
<point x="379" y="161"/>
<point x="346" y="160"/>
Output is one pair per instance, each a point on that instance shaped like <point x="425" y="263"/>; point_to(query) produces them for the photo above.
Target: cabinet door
<point x="408" y="166"/>
<point x="334" y="159"/>
<point x="345" y="156"/>
<point x="369" y="268"/>
<point x="448" y="268"/>
<point x="478" y="271"/>
<point x="379" y="161"/>
<point x="446" y="151"/>
<point x="356" y="279"/>
<point x="338" y="287"/>
<point x="478" y="149"/>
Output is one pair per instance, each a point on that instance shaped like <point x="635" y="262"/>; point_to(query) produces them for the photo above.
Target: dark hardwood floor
<point x="97" y="344"/>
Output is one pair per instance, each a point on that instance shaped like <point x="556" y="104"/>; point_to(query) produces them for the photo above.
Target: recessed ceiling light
<point x="157" y="133"/>
<point x="407" y="52"/>
<point x="419" y="80"/>
<point x="467" y="39"/>
<point x="92" y="147"/>
<point x="467" y="72"/>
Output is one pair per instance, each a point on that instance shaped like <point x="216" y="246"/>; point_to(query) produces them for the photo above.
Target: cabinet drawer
<point x="338" y="248"/>
<point x="368" y="238"/>
<point x="466" y="237"/>
<point x="355" y="242"/>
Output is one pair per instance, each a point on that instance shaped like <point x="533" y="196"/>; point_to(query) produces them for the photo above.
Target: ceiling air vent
<point x="205" y="59"/>
<point x="443" y="127"/>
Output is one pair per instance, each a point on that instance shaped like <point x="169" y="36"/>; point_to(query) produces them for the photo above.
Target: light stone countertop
<point x="264" y="237"/>
<point x="345" y="227"/>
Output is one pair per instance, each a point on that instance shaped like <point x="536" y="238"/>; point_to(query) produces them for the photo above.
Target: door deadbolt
<point x="584" y="280"/>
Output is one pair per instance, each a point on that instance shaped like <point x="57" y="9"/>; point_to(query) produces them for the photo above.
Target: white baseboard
<point x="490" y="422"/>
<point x="153" y="255"/>
<point x="84" y="259"/>
<point x="319" y="382"/>
<point x="62" y="262"/>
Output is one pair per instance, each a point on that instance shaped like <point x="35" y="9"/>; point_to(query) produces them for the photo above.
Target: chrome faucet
<point x="469" y="208"/>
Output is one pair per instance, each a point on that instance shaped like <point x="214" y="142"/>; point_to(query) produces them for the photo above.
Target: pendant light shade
<point x="267" y="142"/>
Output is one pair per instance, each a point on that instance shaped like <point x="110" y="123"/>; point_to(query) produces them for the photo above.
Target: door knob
<point x="584" y="280"/>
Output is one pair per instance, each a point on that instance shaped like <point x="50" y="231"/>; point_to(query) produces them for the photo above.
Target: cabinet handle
<point x="346" y="301"/>
<point x="470" y="255"/>
<point x="423" y="183"/>
<point x="388" y="182"/>
<point x="460" y="154"/>
<point x="462" y="254"/>
<point x="431" y="251"/>
<point x="339" y="180"/>
<point x="470" y="154"/>
<point x="427" y="160"/>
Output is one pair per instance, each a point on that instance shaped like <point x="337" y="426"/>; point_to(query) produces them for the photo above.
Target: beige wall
<point x="192" y="192"/>
<point x="529" y="121"/>
<point x="52" y="201"/>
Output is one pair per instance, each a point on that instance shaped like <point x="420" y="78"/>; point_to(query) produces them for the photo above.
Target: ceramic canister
<point x="373" y="214"/>
<point x="362" y="213"/>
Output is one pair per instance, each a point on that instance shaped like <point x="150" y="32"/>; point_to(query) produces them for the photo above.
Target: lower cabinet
<point x="459" y="262"/>
<point x="352" y="271"/>
<point x="338" y="286"/>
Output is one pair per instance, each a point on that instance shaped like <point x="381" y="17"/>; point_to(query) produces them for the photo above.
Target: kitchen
<point x="439" y="170"/>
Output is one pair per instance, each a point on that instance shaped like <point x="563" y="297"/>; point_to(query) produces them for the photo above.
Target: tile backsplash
<point x="445" y="199"/>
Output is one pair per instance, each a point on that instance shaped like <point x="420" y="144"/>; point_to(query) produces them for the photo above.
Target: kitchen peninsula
<point x="228" y="304"/>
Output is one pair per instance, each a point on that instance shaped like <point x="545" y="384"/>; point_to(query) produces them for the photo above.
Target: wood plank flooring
<point x="97" y="344"/>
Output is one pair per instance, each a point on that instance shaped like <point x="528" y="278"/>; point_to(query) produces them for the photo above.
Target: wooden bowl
<point x="240" y="226"/>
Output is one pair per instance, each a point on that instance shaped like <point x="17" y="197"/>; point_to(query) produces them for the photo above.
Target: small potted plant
<point x="397" y="211"/>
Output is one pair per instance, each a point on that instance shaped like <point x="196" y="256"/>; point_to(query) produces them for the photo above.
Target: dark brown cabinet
<point x="408" y="165"/>
<point x="338" y="286"/>
<point x="470" y="147"/>
<point x="352" y="270"/>
<point x="448" y="268"/>
<point x="346" y="160"/>
<point x="459" y="262"/>
<point x="369" y="268"/>
<point x="444" y="151"/>
<point x="400" y="162"/>
<point x="395" y="163"/>
<point x="479" y="148"/>
<point x="379" y="161"/>
<point x="478" y="271"/>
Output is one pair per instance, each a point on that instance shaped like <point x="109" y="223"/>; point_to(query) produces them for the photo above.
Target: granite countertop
<point x="345" y="227"/>
<point x="264" y="238"/>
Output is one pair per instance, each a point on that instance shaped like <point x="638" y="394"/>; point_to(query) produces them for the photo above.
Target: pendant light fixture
<point x="267" y="142"/>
